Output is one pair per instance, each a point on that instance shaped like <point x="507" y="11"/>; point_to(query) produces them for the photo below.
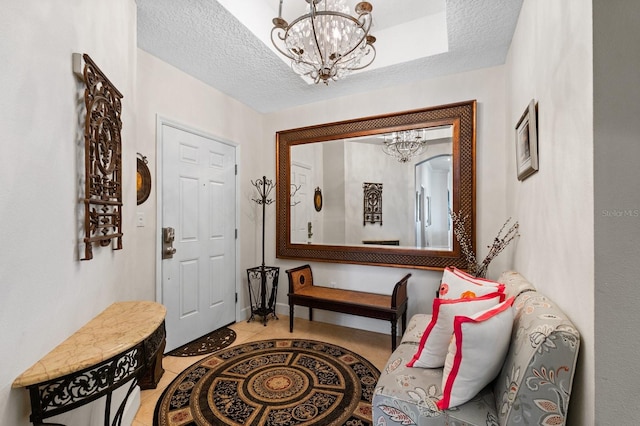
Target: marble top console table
<point x="123" y="344"/>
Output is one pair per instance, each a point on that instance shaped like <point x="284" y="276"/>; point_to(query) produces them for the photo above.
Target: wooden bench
<point x="302" y="292"/>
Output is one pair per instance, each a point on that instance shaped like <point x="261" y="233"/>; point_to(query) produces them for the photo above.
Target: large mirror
<point x="342" y="197"/>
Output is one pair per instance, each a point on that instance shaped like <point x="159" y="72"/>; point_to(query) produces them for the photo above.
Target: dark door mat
<point x="206" y="344"/>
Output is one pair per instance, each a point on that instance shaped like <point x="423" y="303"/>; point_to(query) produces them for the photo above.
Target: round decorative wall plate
<point x="143" y="181"/>
<point x="317" y="199"/>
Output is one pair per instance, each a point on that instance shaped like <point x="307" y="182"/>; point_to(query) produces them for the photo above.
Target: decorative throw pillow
<point x="457" y="284"/>
<point x="476" y="353"/>
<point x="432" y="349"/>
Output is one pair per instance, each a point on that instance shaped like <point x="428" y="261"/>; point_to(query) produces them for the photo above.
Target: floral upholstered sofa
<point x="532" y="388"/>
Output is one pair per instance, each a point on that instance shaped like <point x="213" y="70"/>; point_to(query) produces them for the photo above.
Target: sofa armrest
<point x="415" y="329"/>
<point x="536" y="379"/>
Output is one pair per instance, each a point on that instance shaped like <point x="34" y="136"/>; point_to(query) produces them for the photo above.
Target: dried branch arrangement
<point x="500" y="242"/>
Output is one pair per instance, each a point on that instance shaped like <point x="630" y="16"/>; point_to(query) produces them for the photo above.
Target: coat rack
<point x="263" y="280"/>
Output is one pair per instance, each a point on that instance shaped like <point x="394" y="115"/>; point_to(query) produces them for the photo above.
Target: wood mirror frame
<point x="462" y="116"/>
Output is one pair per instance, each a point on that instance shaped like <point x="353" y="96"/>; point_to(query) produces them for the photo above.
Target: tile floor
<point x="376" y="347"/>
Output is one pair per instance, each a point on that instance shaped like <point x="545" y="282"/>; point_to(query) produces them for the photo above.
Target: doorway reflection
<point x="433" y="186"/>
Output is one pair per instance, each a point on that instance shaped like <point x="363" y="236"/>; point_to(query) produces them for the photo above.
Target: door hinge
<point x="236" y="297"/>
<point x="236" y="233"/>
<point x="236" y="170"/>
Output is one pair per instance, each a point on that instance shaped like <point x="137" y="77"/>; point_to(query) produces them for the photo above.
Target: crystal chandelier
<point x="327" y="43"/>
<point x="405" y="145"/>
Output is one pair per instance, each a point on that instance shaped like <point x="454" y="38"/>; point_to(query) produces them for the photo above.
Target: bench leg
<point x="394" y="331"/>
<point x="290" y="318"/>
<point x="404" y="322"/>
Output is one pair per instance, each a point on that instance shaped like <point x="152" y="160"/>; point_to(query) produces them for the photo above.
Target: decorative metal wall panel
<point x="103" y="160"/>
<point x="372" y="203"/>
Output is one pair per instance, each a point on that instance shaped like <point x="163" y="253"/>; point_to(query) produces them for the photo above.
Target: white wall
<point x="616" y="95"/>
<point x="333" y="187"/>
<point x="170" y="93"/>
<point x="550" y="60"/>
<point x="487" y="86"/>
<point x="47" y="292"/>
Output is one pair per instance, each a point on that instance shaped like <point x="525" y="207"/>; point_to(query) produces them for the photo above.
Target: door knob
<point x="168" y="236"/>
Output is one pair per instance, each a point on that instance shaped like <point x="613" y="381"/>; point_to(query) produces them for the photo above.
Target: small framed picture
<point x="527" y="143"/>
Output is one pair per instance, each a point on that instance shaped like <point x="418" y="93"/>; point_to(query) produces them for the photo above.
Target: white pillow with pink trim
<point x="457" y="284"/>
<point x="434" y="343"/>
<point x="476" y="353"/>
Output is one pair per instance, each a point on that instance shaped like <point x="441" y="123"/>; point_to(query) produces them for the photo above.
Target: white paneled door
<point x="198" y="203"/>
<point x="301" y="202"/>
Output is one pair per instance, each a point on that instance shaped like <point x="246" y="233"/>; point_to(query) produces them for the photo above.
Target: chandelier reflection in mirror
<point x="405" y="145"/>
<point x="327" y="43"/>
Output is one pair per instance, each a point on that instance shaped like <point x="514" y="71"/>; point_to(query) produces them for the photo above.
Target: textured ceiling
<point x="203" y="39"/>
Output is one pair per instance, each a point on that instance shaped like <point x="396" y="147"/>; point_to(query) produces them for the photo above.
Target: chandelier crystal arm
<point x="372" y="49"/>
<point x="367" y="39"/>
<point x="312" y="18"/>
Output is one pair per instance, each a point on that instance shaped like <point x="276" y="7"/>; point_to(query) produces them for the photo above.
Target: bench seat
<point x="392" y="307"/>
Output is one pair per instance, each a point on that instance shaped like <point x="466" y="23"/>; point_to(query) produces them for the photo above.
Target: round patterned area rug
<point x="282" y="382"/>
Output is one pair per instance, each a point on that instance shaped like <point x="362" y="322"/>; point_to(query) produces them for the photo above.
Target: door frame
<point x="164" y="121"/>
